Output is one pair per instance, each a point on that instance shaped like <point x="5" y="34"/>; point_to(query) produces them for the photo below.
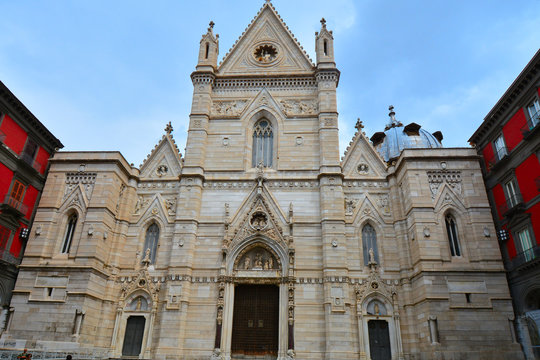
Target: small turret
<point x="324" y="47"/>
<point x="209" y="50"/>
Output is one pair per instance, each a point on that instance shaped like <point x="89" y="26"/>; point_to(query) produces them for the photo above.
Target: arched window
<point x="369" y="241"/>
<point x="151" y="241"/>
<point x="451" y="230"/>
<point x="68" y="238"/>
<point x="263" y="142"/>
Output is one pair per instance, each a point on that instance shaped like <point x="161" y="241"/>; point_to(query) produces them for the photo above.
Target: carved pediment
<point x="266" y="47"/>
<point x="258" y="215"/>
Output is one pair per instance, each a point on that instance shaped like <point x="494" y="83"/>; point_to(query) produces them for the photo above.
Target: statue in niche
<point x="258" y="261"/>
<point x="269" y="263"/>
<point x="247" y="263"/>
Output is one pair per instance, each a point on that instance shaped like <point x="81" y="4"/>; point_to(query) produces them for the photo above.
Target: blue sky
<point x="108" y="75"/>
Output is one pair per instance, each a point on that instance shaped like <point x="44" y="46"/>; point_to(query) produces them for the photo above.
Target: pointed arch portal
<point x="256" y="319"/>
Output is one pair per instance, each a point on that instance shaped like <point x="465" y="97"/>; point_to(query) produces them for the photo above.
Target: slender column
<point x="116" y="328"/>
<point x="148" y="349"/>
<point x="226" y="335"/>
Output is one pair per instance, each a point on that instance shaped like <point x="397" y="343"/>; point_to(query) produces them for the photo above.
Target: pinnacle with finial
<point x="323" y="22"/>
<point x="168" y="128"/>
<point x="359" y="125"/>
<point x="211" y="25"/>
<point x="392" y="113"/>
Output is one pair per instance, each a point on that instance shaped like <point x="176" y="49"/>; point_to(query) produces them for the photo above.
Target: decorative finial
<point x="392" y="113"/>
<point x="211" y="25"/>
<point x="168" y="128"/>
<point x="359" y="125"/>
<point x="323" y="22"/>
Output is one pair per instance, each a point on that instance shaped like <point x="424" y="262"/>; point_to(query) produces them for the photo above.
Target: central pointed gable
<point x="266" y="30"/>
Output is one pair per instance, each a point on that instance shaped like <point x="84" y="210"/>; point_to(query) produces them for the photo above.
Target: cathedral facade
<point x="260" y="242"/>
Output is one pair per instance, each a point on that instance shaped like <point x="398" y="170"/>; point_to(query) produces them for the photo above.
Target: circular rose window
<point x="265" y="54"/>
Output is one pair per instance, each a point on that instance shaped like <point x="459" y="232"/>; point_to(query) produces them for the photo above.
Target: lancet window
<point x="451" y="230"/>
<point x="151" y="241"/>
<point x="263" y="142"/>
<point x="70" y="230"/>
<point x="369" y="242"/>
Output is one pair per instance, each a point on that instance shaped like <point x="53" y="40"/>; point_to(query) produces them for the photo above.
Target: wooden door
<point x="379" y="340"/>
<point x="134" y="336"/>
<point x="256" y="320"/>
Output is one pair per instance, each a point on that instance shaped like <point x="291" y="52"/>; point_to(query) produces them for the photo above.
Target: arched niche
<point x="268" y="252"/>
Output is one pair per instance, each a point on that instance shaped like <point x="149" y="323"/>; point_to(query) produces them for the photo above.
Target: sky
<point x="109" y="75"/>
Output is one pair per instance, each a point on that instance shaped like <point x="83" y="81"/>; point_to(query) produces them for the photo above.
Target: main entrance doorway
<point x="379" y="340"/>
<point x="255" y="321"/>
<point x="134" y="336"/>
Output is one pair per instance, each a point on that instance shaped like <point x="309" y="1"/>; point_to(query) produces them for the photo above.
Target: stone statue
<point x="247" y="263"/>
<point x="290" y="354"/>
<point x="258" y="260"/>
<point x="146" y="261"/>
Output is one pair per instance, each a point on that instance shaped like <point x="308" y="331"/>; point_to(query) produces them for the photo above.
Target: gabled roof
<point x="164" y="153"/>
<point x="266" y="25"/>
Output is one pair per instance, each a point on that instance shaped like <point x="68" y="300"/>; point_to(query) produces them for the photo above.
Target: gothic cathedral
<point x="260" y="242"/>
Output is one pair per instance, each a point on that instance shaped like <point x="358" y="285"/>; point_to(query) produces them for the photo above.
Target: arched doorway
<point x="257" y="317"/>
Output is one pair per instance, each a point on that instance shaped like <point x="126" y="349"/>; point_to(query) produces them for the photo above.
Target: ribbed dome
<point x="396" y="138"/>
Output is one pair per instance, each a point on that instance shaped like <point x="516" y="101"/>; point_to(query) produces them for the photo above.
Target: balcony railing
<point x="15" y="204"/>
<point x="513" y="203"/>
<point x="498" y="156"/>
<point x="2" y="136"/>
<point x="8" y="257"/>
<point x="531" y="125"/>
<point x="30" y="161"/>
<point x="526" y="256"/>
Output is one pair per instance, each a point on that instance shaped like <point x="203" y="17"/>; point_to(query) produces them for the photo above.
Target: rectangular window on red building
<point x="500" y="147"/>
<point x="4" y="237"/>
<point x="533" y="111"/>
<point x="17" y="191"/>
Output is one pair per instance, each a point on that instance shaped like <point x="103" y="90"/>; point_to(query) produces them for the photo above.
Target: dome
<point x="397" y="137"/>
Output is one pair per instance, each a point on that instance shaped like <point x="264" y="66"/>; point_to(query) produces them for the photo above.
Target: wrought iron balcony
<point x="512" y="205"/>
<point x="11" y="203"/>
<point x="499" y="155"/>
<point x="527" y="257"/>
<point x="8" y="257"/>
<point x="532" y="124"/>
<point x="27" y="158"/>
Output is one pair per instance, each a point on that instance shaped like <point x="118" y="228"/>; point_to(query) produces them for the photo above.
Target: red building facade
<point x="25" y="148"/>
<point x="509" y="142"/>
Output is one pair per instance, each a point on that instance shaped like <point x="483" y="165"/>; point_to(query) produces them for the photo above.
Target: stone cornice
<point x="260" y="82"/>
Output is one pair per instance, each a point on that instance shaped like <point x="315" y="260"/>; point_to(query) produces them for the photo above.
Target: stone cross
<point x="169" y="128"/>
